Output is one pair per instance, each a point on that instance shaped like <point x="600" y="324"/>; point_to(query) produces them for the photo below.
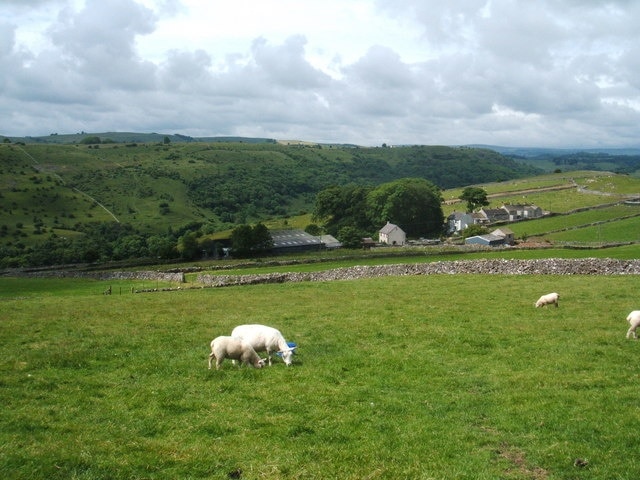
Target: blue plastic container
<point x="291" y="345"/>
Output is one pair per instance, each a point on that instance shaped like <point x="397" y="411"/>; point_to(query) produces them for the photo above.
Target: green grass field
<point x="539" y="191"/>
<point x="428" y="377"/>
<point x="623" y="230"/>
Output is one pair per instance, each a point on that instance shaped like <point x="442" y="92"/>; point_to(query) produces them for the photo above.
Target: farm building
<point x="392" y="235"/>
<point x="489" y="240"/>
<point x="458" y="221"/>
<point x="519" y="212"/>
<point x="286" y="241"/>
<point x="506" y="234"/>
<point x="329" y="241"/>
<point x="492" y="215"/>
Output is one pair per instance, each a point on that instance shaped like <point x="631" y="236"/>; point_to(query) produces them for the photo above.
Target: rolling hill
<point x="85" y="202"/>
<point x="155" y="186"/>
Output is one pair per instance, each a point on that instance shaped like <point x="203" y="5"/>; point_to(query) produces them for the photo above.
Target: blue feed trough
<point x="291" y="345"/>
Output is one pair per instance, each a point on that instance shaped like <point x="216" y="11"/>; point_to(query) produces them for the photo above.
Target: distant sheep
<point x="234" y="348"/>
<point x="265" y="339"/>
<point x="634" y="321"/>
<point x="548" y="299"/>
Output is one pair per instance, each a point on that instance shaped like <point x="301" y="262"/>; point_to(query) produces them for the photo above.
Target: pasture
<point x="427" y="377"/>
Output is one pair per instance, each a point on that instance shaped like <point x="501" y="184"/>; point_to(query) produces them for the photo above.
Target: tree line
<point x="348" y="212"/>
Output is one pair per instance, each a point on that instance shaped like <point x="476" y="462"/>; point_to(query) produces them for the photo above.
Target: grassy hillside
<point x="586" y="207"/>
<point x="59" y="188"/>
<point x="70" y="203"/>
<point x="619" y="160"/>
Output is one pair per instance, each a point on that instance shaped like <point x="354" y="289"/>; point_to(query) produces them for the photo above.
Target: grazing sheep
<point x="265" y="339"/>
<point x="234" y="348"/>
<point x="634" y="321"/>
<point x="548" y="299"/>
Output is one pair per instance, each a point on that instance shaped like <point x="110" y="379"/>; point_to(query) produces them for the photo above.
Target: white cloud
<point x="514" y="72"/>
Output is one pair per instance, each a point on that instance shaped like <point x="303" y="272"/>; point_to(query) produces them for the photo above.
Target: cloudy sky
<point x="553" y="73"/>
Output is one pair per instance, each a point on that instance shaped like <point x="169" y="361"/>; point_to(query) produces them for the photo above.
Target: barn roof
<point x="293" y="238"/>
<point x="487" y="239"/>
<point x="389" y="227"/>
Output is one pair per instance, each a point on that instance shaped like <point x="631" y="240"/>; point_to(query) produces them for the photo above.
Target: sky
<point x="543" y="73"/>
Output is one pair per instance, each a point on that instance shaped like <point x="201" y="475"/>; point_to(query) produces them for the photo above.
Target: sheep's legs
<point x="631" y="332"/>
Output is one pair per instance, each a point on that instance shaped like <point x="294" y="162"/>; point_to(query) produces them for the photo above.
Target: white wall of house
<point x="392" y="235"/>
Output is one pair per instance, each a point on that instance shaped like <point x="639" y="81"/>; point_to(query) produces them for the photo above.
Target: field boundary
<point x="551" y="266"/>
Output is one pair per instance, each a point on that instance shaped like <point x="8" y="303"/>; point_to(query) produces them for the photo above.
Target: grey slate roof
<point x="293" y="238"/>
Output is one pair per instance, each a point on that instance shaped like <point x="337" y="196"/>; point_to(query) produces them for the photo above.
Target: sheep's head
<point x="287" y="356"/>
<point x="261" y="363"/>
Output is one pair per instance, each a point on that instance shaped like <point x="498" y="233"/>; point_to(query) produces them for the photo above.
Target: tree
<point x="262" y="240"/>
<point x="350" y="237"/>
<point x="414" y="204"/>
<point x="473" y="230"/>
<point x="161" y="246"/>
<point x="92" y="140"/>
<point x="188" y="247"/>
<point x="338" y="207"/>
<point x="475" y="197"/>
<point x="313" y="229"/>
<point x="247" y="240"/>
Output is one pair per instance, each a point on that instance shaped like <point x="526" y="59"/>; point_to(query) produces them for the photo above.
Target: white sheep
<point x="548" y="299"/>
<point x="634" y="321"/>
<point x="265" y="339"/>
<point x="234" y="348"/>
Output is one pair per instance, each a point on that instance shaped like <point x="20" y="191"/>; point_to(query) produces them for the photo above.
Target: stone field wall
<point x="551" y="266"/>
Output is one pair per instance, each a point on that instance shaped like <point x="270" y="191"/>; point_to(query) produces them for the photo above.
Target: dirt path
<point x="39" y="168"/>
<point x="511" y="193"/>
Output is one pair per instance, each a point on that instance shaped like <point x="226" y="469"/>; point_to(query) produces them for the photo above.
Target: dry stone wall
<point x="176" y="277"/>
<point x="551" y="266"/>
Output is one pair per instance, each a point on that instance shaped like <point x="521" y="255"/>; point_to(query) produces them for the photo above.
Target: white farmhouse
<point x="458" y="221"/>
<point x="392" y="235"/>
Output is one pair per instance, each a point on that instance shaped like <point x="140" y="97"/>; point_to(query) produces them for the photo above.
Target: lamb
<point x="265" y="339"/>
<point x="229" y="347"/>
<point x="634" y="321"/>
<point x="548" y="299"/>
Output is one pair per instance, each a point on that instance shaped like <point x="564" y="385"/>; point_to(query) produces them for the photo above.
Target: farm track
<point x="555" y="188"/>
<point x="38" y="166"/>
<point x="525" y="191"/>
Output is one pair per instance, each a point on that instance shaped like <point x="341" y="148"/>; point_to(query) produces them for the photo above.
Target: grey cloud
<point x="100" y="39"/>
<point x="285" y="64"/>
<point x="553" y="72"/>
<point x="7" y="39"/>
<point x="186" y="71"/>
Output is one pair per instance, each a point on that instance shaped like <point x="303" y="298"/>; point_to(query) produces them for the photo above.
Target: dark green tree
<point x="92" y="140"/>
<point x="241" y="240"/>
<point x="475" y="197"/>
<point x="188" y="247"/>
<point x="473" y="230"/>
<point x="338" y="207"/>
<point x="161" y="246"/>
<point x="414" y="204"/>
<point x="247" y="241"/>
<point x="262" y="240"/>
<point x="350" y="237"/>
<point x="313" y="229"/>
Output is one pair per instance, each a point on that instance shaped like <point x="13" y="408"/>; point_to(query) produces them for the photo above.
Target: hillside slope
<point x="62" y="188"/>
